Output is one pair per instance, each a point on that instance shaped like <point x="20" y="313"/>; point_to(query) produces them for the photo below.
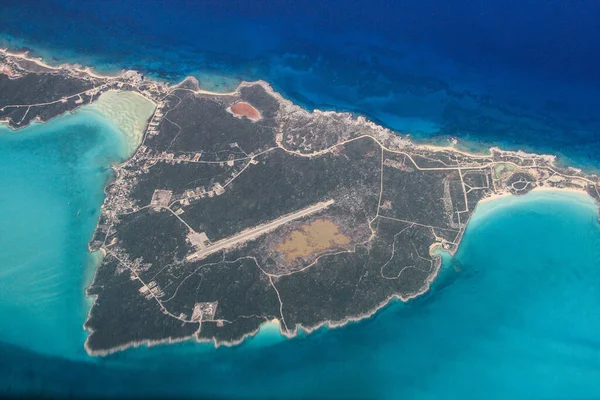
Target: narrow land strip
<point x="257" y="231"/>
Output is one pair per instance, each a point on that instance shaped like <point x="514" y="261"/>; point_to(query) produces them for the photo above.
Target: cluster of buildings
<point x="204" y="311"/>
<point x="145" y="152"/>
<point x="152" y="129"/>
<point x="397" y="164"/>
<point x="200" y="192"/>
<point x="152" y="289"/>
<point x="118" y="201"/>
<point x="161" y="198"/>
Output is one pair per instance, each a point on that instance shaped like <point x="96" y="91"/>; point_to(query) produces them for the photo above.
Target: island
<point x="239" y="209"/>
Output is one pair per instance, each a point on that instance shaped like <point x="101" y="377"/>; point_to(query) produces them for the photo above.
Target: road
<point x="257" y="231"/>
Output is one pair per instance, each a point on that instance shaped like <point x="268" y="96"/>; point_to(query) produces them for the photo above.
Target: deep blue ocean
<point x="514" y="314"/>
<point x="523" y="73"/>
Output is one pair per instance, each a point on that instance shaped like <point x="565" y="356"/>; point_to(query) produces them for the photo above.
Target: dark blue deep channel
<point x="514" y="314"/>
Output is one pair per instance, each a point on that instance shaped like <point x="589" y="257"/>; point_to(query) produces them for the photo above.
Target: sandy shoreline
<point x="284" y="101"/>
<point x="129" y="111"/>
<point x="537" y="189"/>
<point x="131" y="123"/>
<point x="40" y="62"/>
<point x="275" y="323"/>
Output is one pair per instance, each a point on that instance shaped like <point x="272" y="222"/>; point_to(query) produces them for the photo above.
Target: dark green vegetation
<point x="29" y="91"/>
<point x="521" y="183"/>
<point x="33" y="92"/>
<point x="42" y="89"/>
<point x="226" y="175"/>
<point x="192" y="225"/>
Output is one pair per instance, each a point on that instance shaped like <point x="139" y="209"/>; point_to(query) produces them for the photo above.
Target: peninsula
<point x="237" y="209"/>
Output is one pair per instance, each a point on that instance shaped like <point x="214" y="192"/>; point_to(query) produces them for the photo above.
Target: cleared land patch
<point x="314" y="237"/>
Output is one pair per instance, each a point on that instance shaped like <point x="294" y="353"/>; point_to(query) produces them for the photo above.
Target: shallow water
<point x="522" y="74"/>
<point x="514" y="312"/>
<point x="52" y="177"/>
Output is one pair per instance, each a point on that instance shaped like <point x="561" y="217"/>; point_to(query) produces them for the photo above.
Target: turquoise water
<point x="514" y="314"/>
<point x="52" y="179"/>
<point x="523" y="74"/>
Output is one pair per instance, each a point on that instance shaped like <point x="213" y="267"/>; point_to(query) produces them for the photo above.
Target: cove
<point x="513" y="313"/>
<point x="53" y="176"/>
<point x="519" y="74"/>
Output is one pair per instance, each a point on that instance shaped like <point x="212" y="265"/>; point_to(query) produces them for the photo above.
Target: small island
<point x="238" y="209"/>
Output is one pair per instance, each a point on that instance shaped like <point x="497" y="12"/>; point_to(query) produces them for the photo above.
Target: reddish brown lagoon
<point x="244" y="109"/>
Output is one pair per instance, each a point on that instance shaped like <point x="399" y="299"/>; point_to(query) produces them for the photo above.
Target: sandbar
<point x="129" y="111"/>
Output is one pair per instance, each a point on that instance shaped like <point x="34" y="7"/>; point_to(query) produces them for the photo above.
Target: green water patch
<point x="501" y="168"/>
<point x="126" y="111"/>
<point x="513" y="314"/>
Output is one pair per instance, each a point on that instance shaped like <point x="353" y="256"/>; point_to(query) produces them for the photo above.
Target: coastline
<point x="438" y="258"/>
<point x="495" y="202"/>
<point x="129" y="111"/>
<point x="537" y="190"/>
<point x="75" y="67"/>
<point x="358" y="120"/>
